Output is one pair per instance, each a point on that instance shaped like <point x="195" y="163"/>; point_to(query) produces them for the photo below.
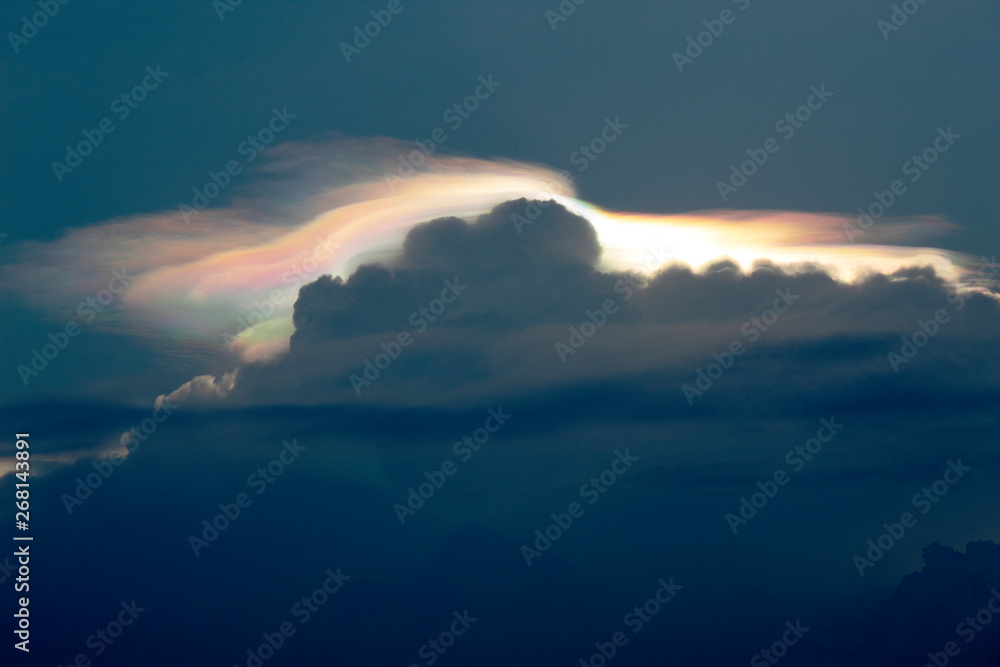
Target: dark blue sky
<point x="557" y="87"/>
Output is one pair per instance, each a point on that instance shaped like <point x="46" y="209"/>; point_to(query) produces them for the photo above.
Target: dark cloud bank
<point x="513" y="298"/>
<point x="521" y="293"/>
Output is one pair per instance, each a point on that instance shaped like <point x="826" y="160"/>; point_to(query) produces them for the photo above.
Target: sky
<point x="422" y="332"/>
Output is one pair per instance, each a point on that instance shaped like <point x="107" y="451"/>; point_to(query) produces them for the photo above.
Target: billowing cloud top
<point x="494" y="274"/>
<point x="226" y="278"/>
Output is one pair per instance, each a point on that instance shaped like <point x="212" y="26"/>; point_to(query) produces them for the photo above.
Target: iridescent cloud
<point x="228" y="278"/>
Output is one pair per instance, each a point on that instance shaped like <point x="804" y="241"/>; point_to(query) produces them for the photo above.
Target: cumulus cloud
<point x="223" y="279"/>
<point x="540" y="314"/>
<point x="505" y="286"/>
<point x="202" y="389"/>
<point x="316" y="208"/>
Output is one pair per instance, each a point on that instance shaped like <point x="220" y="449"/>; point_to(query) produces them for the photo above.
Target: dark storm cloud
<point x="514" y="282"/>
<point x="535" y="317"/>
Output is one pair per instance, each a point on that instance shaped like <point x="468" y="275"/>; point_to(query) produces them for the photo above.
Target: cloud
<point x="224" y="279"/>
<point x="317" y="208"/>
<point x="522" y="327"/>
<point x="303" y="293"/>
<point x="538" y="319"/>
<point x="200" y="389"/>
